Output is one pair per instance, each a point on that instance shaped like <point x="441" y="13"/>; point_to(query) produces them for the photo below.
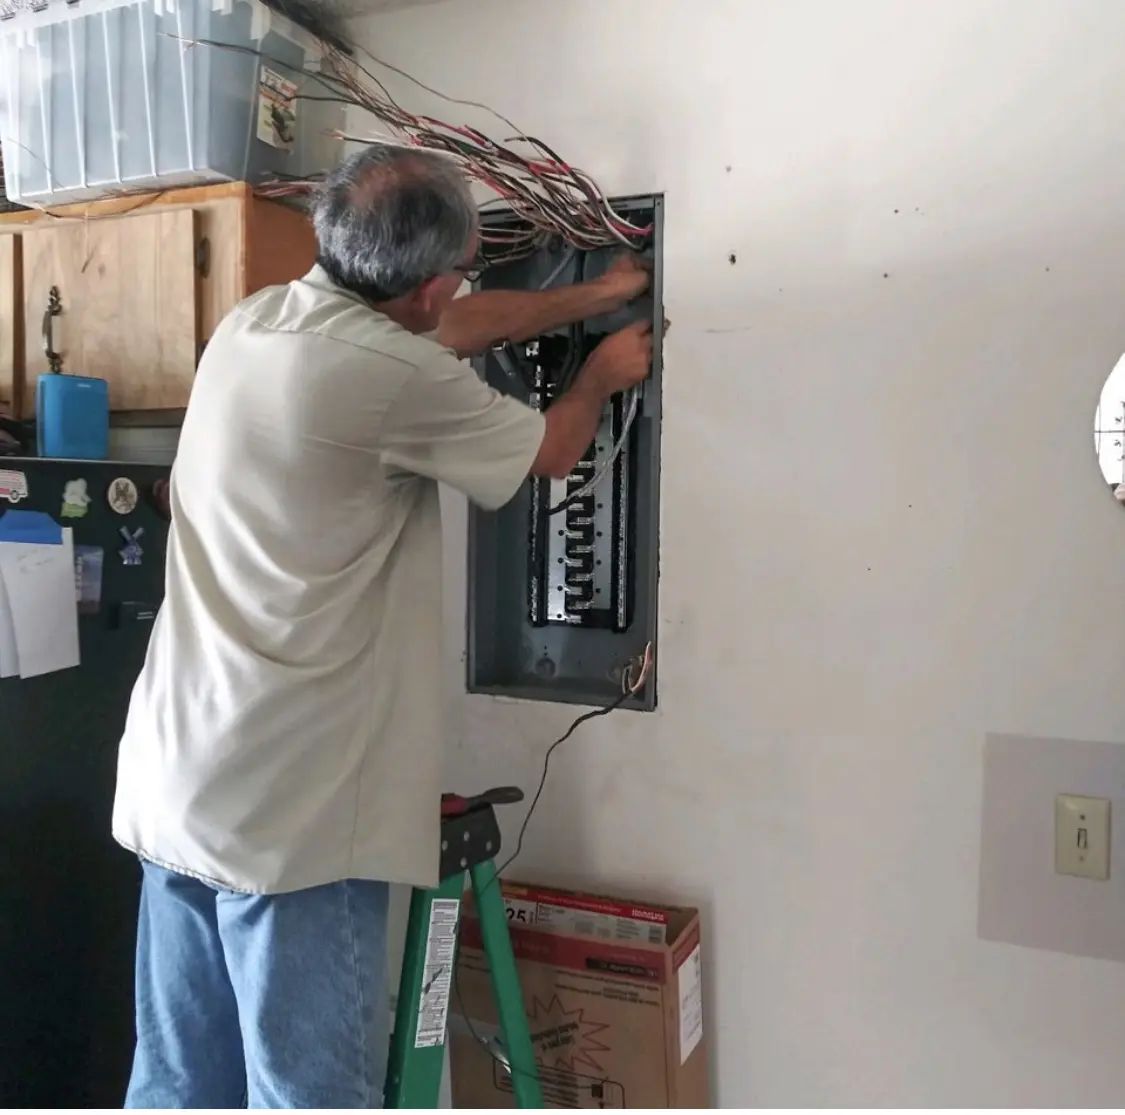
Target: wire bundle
<point x="546" y="197"/>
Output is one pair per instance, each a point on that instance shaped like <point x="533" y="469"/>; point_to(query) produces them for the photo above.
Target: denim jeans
<point x="275" y="1001"/>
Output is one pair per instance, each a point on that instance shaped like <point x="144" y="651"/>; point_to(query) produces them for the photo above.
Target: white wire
<point x="549" y="281"/>
<point x="630" y="417"/>
<point x="636" y="672"/>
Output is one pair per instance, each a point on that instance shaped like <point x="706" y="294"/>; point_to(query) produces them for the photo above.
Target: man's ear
<point x="425" y="295"/>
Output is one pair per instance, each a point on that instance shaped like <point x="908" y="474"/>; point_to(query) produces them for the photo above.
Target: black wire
<point x="508" y="1067"/>
<point x="575" y="725"/>
<point x="566" y="504"/>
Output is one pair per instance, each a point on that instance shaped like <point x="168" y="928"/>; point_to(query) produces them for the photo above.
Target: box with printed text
<point x="614" y="998"/>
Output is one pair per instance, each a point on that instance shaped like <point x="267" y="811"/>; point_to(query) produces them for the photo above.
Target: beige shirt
<point x="286" y="730"/>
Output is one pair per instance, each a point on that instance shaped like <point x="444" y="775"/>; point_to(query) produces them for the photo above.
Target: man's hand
<point x="622" y="360"/>
<point x="627" y="277"/>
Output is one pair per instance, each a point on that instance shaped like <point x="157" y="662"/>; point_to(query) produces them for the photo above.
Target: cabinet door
<point x="129" y="308"/>
<point x="11" y="327"/>
<point x="280" y="245"/>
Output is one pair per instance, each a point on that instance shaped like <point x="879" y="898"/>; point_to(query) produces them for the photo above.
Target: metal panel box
<point x="563" y="581"/>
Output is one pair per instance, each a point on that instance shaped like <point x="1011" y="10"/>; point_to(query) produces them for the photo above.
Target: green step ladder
<point x="470" y="841"/>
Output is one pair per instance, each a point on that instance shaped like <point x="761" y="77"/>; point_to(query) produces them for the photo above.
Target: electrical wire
<point x="585" y="718"/>
<point x="544" y="195"/>
<point x="576" y="340"/>
<point x="563" y="263"/>
<point x="634" y="677"/>
<point x="505" y="1060"/>
<point x="632" y="406"/>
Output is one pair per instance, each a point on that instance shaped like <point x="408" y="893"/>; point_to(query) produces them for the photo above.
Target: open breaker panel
<point x="562" y="588"/>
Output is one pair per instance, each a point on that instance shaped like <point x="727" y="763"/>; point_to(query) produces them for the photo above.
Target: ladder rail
<point x="416" y="1059"/>
<point x="506" y="992"/>
<point x="418" y="1044"/>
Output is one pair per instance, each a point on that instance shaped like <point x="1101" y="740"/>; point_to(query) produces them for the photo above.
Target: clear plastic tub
<point x="100" y="96"/>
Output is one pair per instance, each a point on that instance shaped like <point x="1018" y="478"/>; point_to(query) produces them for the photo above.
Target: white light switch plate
<point x="1082" y="836"/>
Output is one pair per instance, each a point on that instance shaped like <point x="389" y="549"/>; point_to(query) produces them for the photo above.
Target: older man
<point x="282" y="759"/>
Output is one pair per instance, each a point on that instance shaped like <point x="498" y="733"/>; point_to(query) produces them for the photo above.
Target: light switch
<point x="1082" y="836"/>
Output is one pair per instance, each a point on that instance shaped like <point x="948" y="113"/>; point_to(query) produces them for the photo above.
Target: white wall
<point x="884" y="529"/>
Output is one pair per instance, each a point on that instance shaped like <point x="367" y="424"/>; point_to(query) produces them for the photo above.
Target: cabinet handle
<point x="54" y="308"/>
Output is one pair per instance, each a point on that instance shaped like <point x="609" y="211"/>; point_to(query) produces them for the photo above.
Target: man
<point x="282" y="759"/>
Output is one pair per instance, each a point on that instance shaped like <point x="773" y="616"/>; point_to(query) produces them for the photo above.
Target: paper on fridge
<point x="9" y="658"/>
<point x="38" y="604"/>
<point x="41" y="605"/>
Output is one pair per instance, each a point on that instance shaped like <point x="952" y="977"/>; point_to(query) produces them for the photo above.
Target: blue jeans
<point x="273" y="1001"/>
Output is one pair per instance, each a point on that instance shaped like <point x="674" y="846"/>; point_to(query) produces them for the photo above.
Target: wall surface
<point x="884" y="530"/>
<point x="1024" y="900"/>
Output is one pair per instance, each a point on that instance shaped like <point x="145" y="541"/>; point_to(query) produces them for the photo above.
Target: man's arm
<point x="445" y="423"/>
<point x="476" y="322"/>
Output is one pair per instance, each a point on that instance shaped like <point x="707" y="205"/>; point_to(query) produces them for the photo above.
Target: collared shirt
<point x="286" y="730"/>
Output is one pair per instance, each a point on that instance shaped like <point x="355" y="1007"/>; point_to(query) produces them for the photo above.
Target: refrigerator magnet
<point x="13" y="485"/>
<point x="88" y="562"/>
<point x="122" y="495"/>
<point x="75" y="500"/>
<point x="131" y="553"/>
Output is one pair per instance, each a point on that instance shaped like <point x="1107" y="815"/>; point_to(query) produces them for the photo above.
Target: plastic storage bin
<point x="97" y="96"/>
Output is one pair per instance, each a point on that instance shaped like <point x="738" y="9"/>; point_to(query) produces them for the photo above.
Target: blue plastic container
<point x="72" y="417"/>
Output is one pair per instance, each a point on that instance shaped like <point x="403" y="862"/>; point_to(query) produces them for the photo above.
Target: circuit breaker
<point x="563" y="580"/>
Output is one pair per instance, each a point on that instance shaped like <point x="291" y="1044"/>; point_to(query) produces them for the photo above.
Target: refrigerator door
<point x="68" y="893"/>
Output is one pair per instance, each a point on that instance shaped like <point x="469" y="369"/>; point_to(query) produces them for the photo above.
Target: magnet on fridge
<point x="131" y="553"/>
<point x="88" y="561"/>
<point x="13" y="485"/>
<point x="122" y="495"/>
<point x="75" y="500"/>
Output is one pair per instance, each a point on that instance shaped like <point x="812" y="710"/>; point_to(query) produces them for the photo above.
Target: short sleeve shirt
<point x="286" y="729"/>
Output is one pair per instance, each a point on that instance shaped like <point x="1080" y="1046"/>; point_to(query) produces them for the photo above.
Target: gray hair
<point x="388" y="219"/>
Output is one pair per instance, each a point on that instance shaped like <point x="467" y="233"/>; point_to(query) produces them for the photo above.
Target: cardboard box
<point x="614" y="999"/>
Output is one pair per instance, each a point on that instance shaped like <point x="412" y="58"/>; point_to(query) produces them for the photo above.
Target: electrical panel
<point x="562" y="591"/>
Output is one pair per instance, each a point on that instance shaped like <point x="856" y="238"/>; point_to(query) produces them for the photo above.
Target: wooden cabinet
<point x="141" y="282"/>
